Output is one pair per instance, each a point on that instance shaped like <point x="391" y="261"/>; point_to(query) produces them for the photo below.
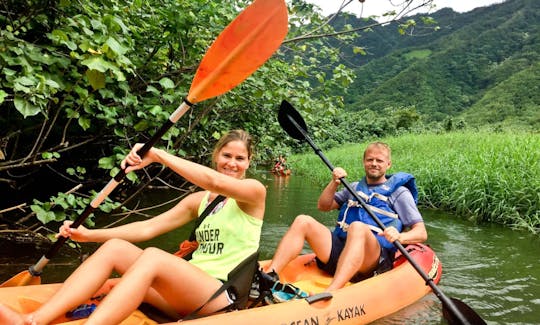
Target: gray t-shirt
<point x="401" y="201"/>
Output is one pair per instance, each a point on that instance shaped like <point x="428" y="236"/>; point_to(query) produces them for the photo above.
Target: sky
<point x="377" y="7"/>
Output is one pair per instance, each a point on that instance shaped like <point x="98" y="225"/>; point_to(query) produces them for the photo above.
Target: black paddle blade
<point x="468" y="313"/>
<point x="287" y="116"/>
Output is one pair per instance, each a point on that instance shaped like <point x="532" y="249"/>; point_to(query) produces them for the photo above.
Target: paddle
<point x="241" y="48"/>
<point x="455" y="311"/>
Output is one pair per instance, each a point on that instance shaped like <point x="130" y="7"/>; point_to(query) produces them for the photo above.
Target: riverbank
<point x="483" y="176"/>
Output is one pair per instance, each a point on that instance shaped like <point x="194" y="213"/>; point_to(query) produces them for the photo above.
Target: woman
<point x="170" y="283"/>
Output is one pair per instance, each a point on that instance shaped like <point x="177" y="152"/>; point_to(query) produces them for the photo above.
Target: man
<point x="356" y="249"/>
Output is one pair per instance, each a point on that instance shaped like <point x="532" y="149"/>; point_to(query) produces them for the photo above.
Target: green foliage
<point x="77" y="172"/>
<point x="512" y="104"/>
<point x="68" y="207"/>
<point x="82" y="81"/>
<point x="484" y="176"/>
<point x="481" y="67"/>
<point x="50" y="155"/>
<point x="417" y="54"/>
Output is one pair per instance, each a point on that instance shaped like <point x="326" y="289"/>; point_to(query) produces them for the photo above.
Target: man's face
<point x="376" y="163"/>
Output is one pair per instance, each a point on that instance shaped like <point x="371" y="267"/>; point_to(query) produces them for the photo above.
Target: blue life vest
<point x="376" y="198"/>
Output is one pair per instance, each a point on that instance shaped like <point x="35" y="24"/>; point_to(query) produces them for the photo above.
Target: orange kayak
<point x="358" y="303"/>
<point x="281" y="173"/>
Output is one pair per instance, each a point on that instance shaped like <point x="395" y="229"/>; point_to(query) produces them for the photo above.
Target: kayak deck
<point x="358" y="303"/>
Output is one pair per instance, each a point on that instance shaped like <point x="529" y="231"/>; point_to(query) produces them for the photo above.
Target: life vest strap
<point x="353" y="203"/>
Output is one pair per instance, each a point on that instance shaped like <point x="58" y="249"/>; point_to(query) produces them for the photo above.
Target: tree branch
<point x="397" y="18"/>
<point x="27" y="164"/>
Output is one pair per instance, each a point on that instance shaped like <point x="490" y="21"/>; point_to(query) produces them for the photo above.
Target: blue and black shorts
<point x="386" y="260"/>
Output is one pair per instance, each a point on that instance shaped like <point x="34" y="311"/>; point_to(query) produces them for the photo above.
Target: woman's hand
<point x="134" y="162"/>
<point x="79" y="234"/>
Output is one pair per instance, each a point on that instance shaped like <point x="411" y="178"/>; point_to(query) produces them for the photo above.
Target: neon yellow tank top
<point x="226" y="237"/>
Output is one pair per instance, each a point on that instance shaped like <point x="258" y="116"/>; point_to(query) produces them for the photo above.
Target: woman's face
<point x="233" y="159"/>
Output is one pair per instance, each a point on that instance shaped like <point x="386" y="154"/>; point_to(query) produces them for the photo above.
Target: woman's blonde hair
<point x="233" y="135"/>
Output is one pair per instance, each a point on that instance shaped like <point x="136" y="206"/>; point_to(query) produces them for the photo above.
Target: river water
<point x="494" y="270"/>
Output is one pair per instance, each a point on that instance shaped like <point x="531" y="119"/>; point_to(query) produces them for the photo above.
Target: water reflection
<point x="491" y="268"/>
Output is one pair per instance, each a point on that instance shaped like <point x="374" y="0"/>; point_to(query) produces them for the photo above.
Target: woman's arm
<point x="183" y="212"/>
<point x="249" y="193"/>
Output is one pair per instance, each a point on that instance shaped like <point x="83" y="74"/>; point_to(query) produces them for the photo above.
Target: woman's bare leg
<point x="88" y="278"/>
<point x="11" y="317"/>
<point x="152" y="297"/>
<point x="184" y="286"/>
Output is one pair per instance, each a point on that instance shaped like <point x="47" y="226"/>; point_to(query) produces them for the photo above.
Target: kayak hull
<point x="358" y="303"/>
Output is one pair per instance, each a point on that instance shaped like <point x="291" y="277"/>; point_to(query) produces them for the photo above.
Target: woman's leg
<point x="184" y="286"/>
<point x="360" y="254"/>
<point x="304" y="228"/>
<point x="85" y="280"/>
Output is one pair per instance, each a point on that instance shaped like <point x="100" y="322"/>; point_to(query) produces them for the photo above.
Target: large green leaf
<point x="97" y="63"/>
<point x="95" y="78"/>
<point x="25" y="107"/>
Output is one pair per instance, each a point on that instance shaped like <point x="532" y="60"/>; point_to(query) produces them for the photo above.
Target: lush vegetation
<point x="483" y="176"/>
<point x="81" y="81"/>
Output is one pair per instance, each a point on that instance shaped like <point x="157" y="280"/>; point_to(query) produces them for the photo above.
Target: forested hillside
<point x="479" y="67"/>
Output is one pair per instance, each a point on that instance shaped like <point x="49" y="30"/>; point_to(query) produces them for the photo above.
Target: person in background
<point x="357" y="248"/>
<point x="280" y="167"/>
<point x="174" y="285"/>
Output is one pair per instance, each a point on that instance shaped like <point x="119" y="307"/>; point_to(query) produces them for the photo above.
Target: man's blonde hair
<point x="379" y="145"/>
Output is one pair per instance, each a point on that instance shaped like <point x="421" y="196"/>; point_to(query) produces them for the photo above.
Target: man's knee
<point x="303" y="221"/>
<point x="358" y="230"/>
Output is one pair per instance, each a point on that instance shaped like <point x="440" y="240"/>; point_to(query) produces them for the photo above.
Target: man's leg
<point x="304" y="228"/>
<point x="360" y="254"/>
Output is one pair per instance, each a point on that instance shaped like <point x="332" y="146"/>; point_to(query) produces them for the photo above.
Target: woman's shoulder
<point x="257" y="185"/>
<point x="194" y="199"/>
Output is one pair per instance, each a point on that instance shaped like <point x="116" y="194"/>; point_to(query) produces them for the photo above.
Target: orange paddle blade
<point x="241" y="48"/>
<point x="22" y="279"/>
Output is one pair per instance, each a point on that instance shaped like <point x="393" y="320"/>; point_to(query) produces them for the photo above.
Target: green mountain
<point x="481" y="66"/>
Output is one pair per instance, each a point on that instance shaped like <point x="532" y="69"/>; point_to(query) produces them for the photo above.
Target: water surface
<point x="492" y="269"/>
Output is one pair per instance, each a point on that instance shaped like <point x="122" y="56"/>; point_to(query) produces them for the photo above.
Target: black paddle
<point x="454" y="310"/>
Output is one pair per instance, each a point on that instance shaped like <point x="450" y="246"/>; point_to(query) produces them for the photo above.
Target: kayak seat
<point x="238" y="285"/>
<point x="240" y="279"/>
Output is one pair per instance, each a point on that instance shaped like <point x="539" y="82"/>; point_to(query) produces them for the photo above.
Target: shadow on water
<point x="492" y="269"/>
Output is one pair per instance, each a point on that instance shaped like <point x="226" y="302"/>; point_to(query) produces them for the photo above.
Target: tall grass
<point x="486" y="177"/>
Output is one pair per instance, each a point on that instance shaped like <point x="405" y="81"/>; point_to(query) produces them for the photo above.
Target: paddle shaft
<point x="448" y="303"/>
<point x="36" y="269"/>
